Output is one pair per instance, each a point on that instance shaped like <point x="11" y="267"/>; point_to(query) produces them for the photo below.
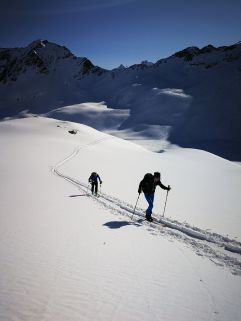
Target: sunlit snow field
<point x="66" y="255"/>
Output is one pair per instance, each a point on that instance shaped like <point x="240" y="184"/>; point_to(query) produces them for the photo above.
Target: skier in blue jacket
<point x="93" y="179"/>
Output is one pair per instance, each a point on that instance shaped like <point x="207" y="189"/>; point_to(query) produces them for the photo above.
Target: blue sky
<point x="114" y="32"/>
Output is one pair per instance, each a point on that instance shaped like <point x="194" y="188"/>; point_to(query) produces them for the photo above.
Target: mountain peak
<point x="147" y="63"/>
<point x="187" y="53"/>
<point x="39" y="43"/>
<point x="43" y="57"/>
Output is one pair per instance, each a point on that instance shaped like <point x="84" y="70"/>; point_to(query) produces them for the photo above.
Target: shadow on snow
<point x="77" y="195"/>
<point x="118" y="224"/>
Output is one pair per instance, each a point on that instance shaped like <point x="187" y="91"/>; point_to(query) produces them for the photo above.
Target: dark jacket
<point x="94" y="177"/>
<point x="148" y="186"/>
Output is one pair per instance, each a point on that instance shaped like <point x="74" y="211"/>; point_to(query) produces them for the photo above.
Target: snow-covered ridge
<point x="225" y="53"/>
<point x="44" y="56"/>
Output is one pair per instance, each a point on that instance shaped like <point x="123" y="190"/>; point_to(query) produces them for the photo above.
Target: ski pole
<point x="165" y="203"/>
<point x="88" y="187"/>
<point x="135" y="206"/>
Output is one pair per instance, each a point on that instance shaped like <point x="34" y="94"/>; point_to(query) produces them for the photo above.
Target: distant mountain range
<point x="196" y="92"/>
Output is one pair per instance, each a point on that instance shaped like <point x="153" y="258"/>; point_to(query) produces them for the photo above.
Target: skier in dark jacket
<point x="93" y="179"/>
<point x="148" y="187"/>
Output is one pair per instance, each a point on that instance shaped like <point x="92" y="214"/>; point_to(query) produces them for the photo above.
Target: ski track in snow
<point x="221" y="250"/>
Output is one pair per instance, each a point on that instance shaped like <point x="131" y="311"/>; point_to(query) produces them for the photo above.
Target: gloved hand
<point x="169" y="188"/>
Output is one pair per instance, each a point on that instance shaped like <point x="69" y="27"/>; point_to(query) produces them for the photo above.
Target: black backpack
<point x="147" y="177"/>
<point x="147" y="183"/>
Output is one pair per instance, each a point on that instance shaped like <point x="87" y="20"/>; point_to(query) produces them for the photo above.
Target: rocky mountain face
<point x="41" y="76"/>
<point x="195" y="92"/>
<point x="42" y="57"/>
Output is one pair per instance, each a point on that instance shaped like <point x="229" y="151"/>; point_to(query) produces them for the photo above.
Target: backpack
<point x="147" y="183"/>
<point x="147" y="177"/>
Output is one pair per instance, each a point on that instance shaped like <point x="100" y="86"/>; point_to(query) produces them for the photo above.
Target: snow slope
<point x="96" y="115"/>
<point x="66" y="255"/>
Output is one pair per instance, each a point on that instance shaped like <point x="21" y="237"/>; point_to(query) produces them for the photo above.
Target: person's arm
<point x="167" y="188"/>
<point x="99" y="179"/>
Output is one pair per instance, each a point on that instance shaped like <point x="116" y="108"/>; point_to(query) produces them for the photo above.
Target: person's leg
<point x="92" y="188"/>
<point x="96" y="188"/>
<point x="150" y="199"/>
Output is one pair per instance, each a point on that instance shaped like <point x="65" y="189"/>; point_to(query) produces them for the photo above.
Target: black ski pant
<point x="94" y="187"/>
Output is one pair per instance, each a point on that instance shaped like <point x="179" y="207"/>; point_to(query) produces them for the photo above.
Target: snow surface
<point x="66" y="255"/>
<point x="109" y="120"/>
<point x="96" y="115"/>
